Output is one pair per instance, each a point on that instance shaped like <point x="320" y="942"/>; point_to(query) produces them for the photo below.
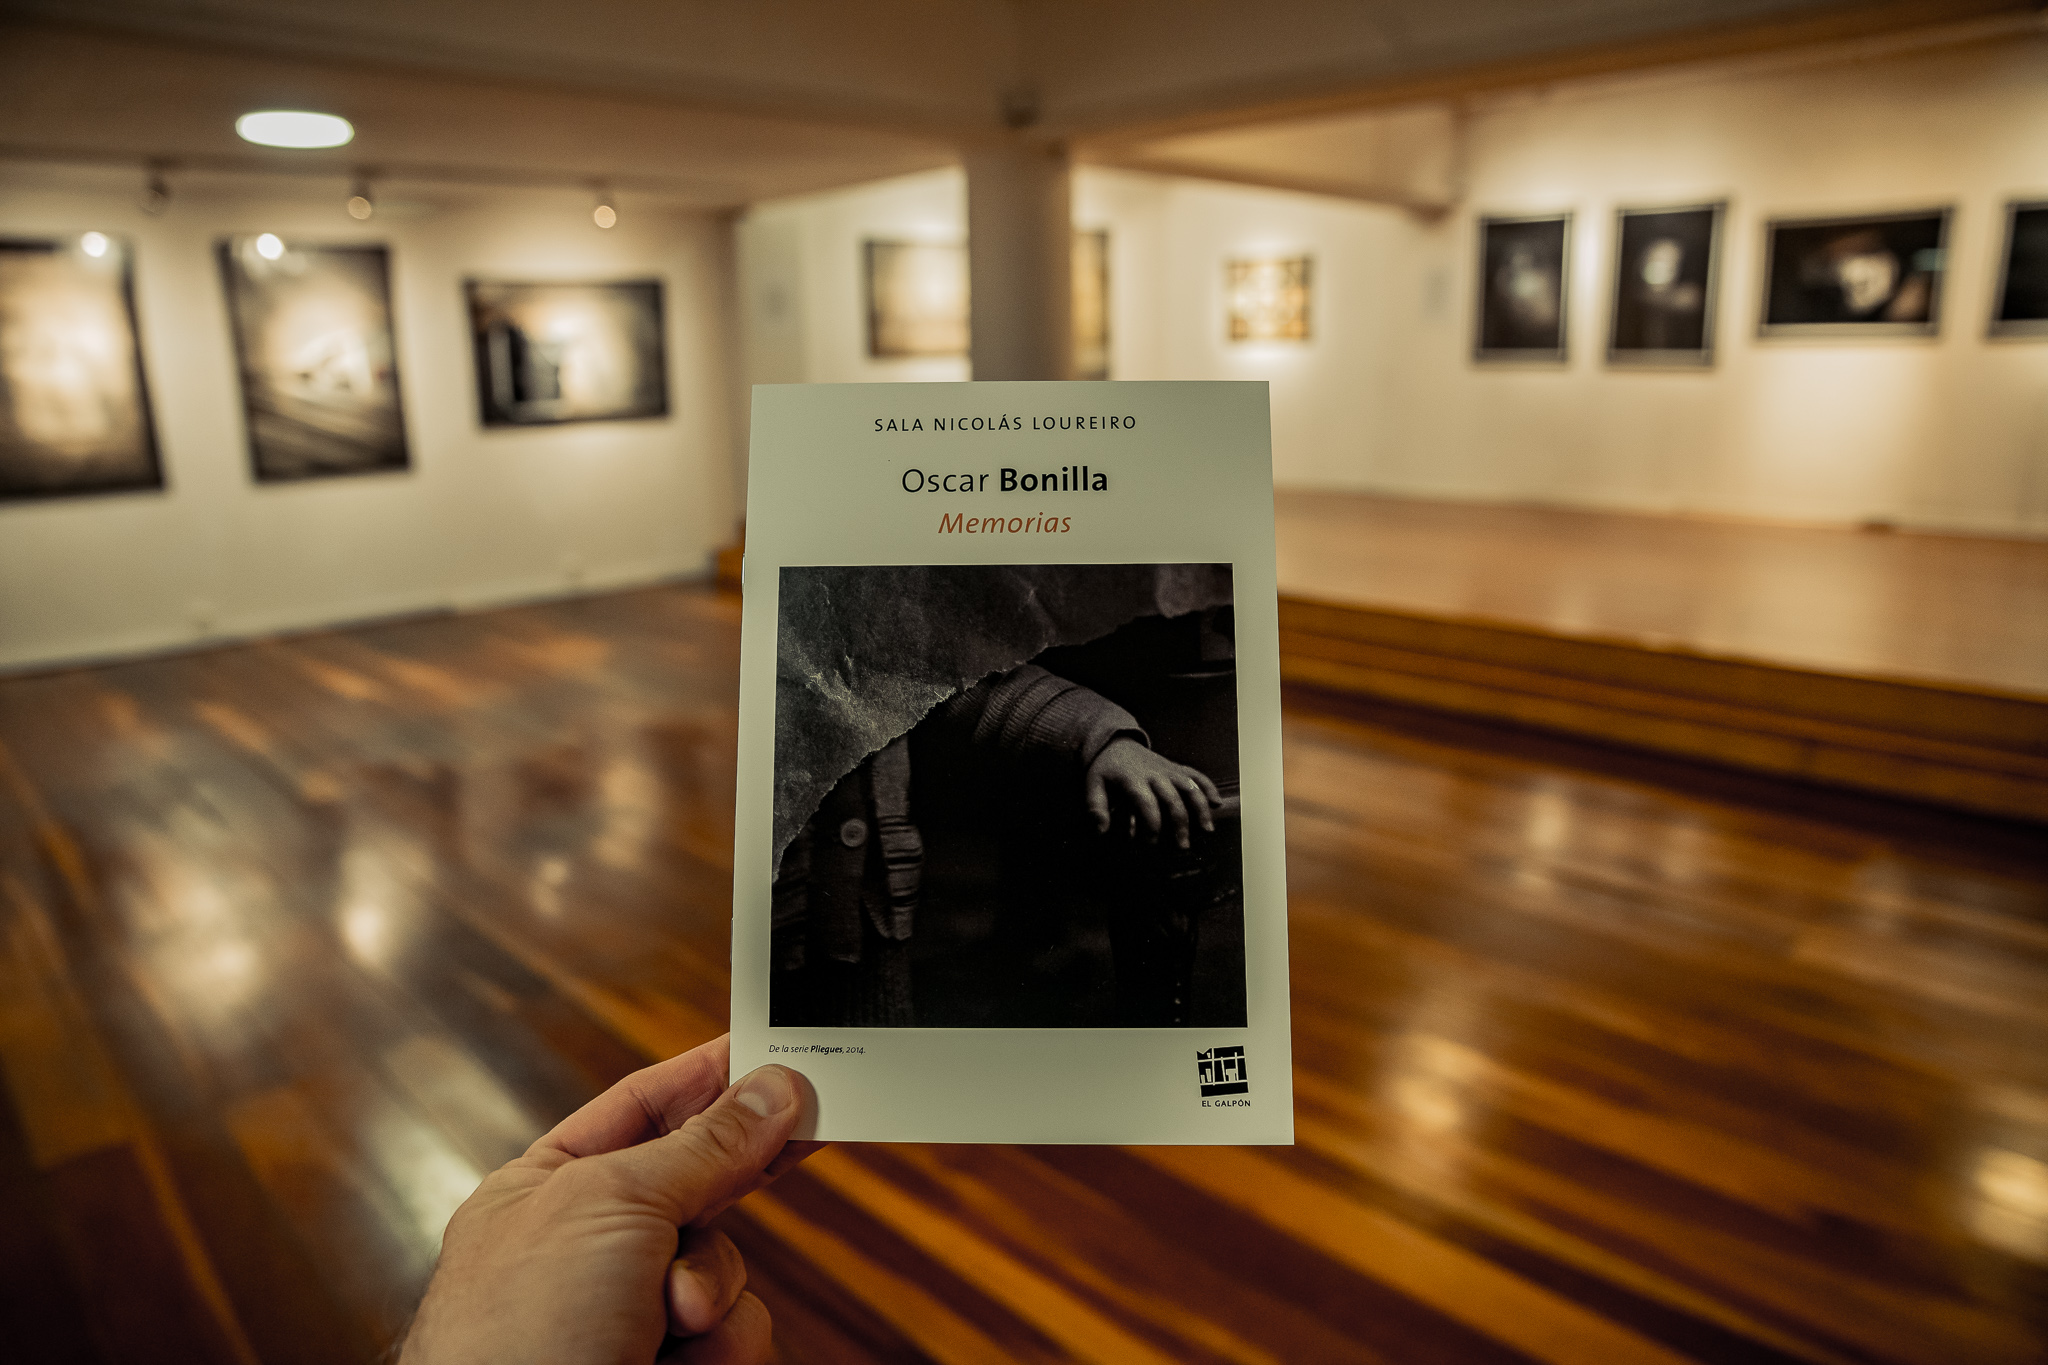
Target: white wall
<point x="803" y="289"/>
<point x="482" y="517"/>
<point x="1950" y="432"/>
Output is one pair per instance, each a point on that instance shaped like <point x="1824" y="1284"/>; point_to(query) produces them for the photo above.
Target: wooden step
<point x="1975" y="748"/>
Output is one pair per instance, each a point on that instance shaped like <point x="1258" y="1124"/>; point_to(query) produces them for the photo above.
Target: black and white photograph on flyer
<point x="1007" y="796"/>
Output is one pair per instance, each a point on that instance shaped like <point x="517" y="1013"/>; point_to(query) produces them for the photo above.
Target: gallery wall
<point x="1949" y="431"/>
<point x="482" y="516"/>
<point x="1945" y="432"/>
<point x="802" y="287"/>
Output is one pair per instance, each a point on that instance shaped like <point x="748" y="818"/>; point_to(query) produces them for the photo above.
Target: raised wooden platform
<point x="1910" y="665"/>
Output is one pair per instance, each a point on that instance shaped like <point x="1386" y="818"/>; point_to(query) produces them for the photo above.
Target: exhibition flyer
<point x="1009" y="862"/>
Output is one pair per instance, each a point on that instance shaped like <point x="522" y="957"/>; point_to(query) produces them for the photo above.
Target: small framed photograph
<point x="1523" y="263"/>
<point x="550" y="353"/>
<point x="1873" y="275"/>
<point x="1268" y="298"/>
<point x="1666" y="271"/>
<point x="2020" y="306"/>
<point x="74" y="410"/>
<point x="318" y="361"/>
<point x="917" y="299"/>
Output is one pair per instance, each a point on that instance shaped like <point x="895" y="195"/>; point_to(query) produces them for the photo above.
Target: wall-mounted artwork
<point x="549" y="353"/>
<point x="74" y="411"/>
<point x="1091" y="305"/>
<point x="1268" y="298"/>
<point x="2020" y="307"/>
<point x="318" y="363"/>
<point x="1522" y="264"/>
<point x="1876" y="275"/>
<point x="1664" y="284"/>
<point x="917" y="299"/>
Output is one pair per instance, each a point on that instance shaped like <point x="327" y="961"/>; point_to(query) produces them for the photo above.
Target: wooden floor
<point x="1599" y="1060"/>
<point x="1952" y="609"/>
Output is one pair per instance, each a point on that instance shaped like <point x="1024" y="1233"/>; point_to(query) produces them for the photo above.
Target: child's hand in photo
<point x="1154" y="790"/>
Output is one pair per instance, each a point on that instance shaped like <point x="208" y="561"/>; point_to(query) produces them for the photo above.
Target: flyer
<point x="1009" y="863"/>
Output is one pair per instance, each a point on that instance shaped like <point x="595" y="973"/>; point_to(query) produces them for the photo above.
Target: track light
<point x="269" y="247"/>
<point x="604" y="215"/>
<point x="93" y="244"/>
<point x="360" y="204"/>
<point x="156" y="192"/>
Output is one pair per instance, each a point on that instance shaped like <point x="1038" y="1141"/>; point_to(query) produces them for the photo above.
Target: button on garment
<point x="853" y="833"/>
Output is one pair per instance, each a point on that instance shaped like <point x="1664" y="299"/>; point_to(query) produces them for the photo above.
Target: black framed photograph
<point x="1666" y="272"/>
<point x="917" y="299"/>
<point x="967" y="833"/>
<point x="551" y="353"/>
<point x="74" y="406"/>
<point x="1871" y="275"/>
<point x="1523" y="266"/>
<point x="318" y="360"/>
<point x="2020" y="306"/>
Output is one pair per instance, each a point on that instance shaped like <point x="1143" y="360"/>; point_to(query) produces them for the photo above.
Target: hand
<point x="569" y="1253"/>
<point x="1157" y="790"/>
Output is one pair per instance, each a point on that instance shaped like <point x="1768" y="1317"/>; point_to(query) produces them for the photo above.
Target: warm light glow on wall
<point x="293" y="128"/>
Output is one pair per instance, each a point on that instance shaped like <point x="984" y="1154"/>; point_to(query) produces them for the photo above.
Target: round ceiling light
<point x="293" y="128"/>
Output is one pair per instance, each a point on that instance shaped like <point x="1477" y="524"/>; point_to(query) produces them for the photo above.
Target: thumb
<point x="720" y="1154"/>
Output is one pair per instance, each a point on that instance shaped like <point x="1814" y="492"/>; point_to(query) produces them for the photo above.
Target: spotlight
<point x="269" y="247"/>
<point x="156" y="193"/>
<point x="293" y="128"/>
<point x="360" y="205"/>
<point x="93" y="244"/>
<point x="604" y="215"/>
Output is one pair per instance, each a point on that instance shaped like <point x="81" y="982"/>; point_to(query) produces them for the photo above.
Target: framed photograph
<point x="917" y="299"/>
<point x="1666" y="271"/>
<point x="1091" y="305"/>
<point x="319" y="364"/>
<point x="1268" y="298"/>
<point x="74" y="408"/>
<point x="1009" y="863"/>
<point x="1873" y="275"/>
<point x="548" y="353"/>
<point x="2020" y="307"/>
<point x="1523" y="264"/>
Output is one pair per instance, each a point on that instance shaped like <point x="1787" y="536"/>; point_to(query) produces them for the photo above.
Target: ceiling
<point x="713" y="104"/>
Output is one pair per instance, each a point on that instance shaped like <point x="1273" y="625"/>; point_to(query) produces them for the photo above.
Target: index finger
<point x="648" y="1104"/>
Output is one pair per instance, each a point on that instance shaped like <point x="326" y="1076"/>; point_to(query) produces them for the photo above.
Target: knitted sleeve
<point x="1031" y="713"/>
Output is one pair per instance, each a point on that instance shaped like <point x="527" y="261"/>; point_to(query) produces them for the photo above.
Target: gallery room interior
<point x="1659" y="403"/>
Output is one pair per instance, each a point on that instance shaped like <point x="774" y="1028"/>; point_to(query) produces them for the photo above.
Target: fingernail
<point x="766" y="1091"/>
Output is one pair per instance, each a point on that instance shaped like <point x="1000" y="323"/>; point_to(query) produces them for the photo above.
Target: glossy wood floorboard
<point x="1597" y="1060"/>
<point x="1966" y="610"/>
